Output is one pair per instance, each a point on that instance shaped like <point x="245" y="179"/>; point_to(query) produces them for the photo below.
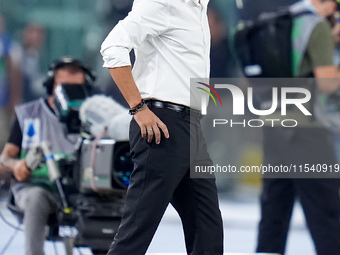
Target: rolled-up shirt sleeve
<point x="147" y="19"/>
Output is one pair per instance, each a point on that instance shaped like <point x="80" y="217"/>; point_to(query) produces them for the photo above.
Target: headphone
<point x="48" y="83"/>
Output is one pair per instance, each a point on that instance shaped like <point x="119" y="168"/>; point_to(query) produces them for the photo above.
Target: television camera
<point x="91" y="183"/>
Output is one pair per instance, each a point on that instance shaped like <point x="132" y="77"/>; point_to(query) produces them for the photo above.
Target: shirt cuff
<point x="116" y="56"/>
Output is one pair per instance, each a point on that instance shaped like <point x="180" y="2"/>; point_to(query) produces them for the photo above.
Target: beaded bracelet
<point x="138" y="108"/>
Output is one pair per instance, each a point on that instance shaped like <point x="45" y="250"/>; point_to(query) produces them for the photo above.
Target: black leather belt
<point x="174" y="107"/>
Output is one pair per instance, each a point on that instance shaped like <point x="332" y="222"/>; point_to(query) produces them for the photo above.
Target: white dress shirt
<point x="171" y="39"/>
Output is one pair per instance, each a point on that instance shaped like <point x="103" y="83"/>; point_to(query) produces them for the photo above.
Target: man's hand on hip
<point x="150" y="125"/>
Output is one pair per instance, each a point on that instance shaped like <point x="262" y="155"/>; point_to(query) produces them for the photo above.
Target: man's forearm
<point x="7" y="164"/>
<point x="13" y="167"/>
<point x="126" y="84"/>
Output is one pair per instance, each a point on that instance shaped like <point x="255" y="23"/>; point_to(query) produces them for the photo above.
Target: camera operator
<point x="35" y="122"/>
<point x="310" y="143"/>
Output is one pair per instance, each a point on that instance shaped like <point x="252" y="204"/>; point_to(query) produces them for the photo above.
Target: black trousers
<point x="162" y="175"/>
<point x="319" y="197"/>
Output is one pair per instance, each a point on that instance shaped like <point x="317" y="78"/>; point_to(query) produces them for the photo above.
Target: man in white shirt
<point x="171" y="39"/>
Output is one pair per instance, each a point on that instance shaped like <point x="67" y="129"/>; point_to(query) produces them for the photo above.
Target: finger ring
<point x="149" y="129"/>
